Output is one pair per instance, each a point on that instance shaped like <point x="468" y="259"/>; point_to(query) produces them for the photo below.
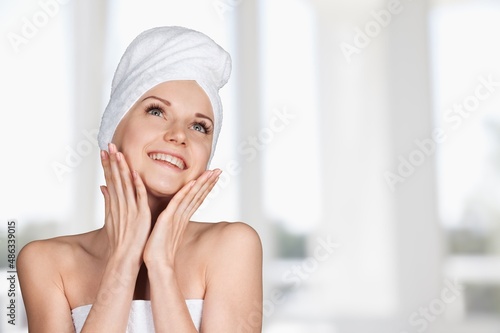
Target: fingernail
<point x="103" y="155"/>
<point x="119" y="156"/>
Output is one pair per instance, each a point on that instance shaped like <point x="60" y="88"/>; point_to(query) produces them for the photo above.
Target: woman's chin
<point x="162" y="189"/>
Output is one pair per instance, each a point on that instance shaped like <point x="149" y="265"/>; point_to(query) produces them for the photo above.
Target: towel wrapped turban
<point x="165" y="54"/>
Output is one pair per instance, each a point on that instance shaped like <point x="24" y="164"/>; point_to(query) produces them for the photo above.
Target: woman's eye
<point x="199" y="127"/>
<point x="155" y="112"/>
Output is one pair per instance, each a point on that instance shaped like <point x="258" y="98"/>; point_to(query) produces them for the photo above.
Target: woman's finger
<point x="186" y="193"/>
<point x="140" y="191"/>
<point x="199" y="195"/>
<point x="106" y="166"/>
<point x="126" y="181"/>
<point x="116" y="178"/>
<point x="110" y="187"/>
<point x="105" y="193"/>
<point x="189" y="200"/>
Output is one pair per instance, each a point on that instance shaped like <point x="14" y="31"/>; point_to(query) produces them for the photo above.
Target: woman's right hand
<point x="127" y="213"/>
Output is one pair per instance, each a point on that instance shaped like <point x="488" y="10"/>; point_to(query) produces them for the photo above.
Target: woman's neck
<point x="157" y="206"/>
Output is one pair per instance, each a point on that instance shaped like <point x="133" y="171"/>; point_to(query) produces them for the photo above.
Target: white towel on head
<point x="164" y="54"/>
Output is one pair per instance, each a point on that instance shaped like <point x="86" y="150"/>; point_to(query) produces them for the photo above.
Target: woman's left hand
<point x="169" y="228"/>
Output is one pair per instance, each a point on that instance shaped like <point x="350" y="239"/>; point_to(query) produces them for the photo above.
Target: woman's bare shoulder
<point x="233" y="267"/>
<point x="223" y="229"/>
<point x="227" y="236"/>
<point x="53" y="250"/>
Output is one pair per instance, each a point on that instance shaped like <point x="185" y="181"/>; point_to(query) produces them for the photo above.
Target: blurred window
<point x="466" y="89"/>
<point x="291" y="162"/>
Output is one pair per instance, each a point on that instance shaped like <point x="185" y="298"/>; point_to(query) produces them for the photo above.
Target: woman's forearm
<point x="111" y="309"/>
<point x="170" y="312"/>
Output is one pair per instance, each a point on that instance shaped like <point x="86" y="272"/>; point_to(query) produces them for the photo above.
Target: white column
<point x="246" y="70"/>
<point x="419" y="235"/>
<point x="373" y="108"/>
<point x="88" y="45"/>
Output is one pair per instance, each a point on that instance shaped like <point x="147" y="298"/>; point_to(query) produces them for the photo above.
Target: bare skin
<point x="148" y="248"/>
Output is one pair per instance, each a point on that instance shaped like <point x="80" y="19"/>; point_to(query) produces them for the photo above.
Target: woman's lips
<point x="171" y="159"/>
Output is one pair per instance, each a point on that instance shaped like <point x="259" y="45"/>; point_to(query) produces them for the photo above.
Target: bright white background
<point x="327" y="139"/>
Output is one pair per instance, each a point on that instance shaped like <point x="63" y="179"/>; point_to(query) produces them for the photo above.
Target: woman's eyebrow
<point x="164" y="101"/>
<point x="201" y="115"/>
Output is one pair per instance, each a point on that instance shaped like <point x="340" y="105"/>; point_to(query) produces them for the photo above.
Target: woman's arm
<point x="42" y="288"/>
<point x="40" y="264"/>
<point x="111" y="309"/>
<point x="170" y="312"/>
<point x="127" y="224"/>
<point x="233" y="299"/>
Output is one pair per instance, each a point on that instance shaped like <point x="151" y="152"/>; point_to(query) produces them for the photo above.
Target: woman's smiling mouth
<point x="176" y="161"/>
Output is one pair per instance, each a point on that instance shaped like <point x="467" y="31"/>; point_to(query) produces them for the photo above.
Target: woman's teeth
<point x="168" y="158"/>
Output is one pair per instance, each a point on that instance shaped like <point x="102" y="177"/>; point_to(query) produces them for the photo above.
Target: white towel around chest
<point x="141" y="317"/>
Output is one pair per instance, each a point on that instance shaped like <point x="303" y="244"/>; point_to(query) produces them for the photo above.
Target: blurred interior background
<point x="361" y="139"/>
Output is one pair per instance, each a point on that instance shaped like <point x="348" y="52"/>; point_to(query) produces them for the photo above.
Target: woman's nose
<point x="176" y="134"/>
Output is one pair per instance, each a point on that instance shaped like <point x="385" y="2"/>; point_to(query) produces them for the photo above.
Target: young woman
<point x="149" y="268"/>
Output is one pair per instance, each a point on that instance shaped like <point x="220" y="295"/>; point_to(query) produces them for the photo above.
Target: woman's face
<point x="167" y="136"/>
